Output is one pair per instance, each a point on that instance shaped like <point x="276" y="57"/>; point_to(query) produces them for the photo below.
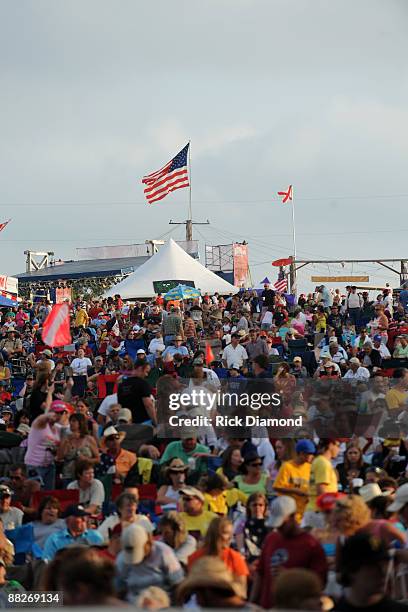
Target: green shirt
<point x="175" y="449"/>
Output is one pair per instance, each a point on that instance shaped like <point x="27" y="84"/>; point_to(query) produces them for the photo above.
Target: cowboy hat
<point x="208" y="573"/>
<point x="111" y="431"/>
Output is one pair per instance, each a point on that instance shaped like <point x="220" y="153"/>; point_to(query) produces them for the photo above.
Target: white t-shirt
<point x="360" y="374"/>
<point x="235" y="355"/>
<point x="95" y="494"/>
<point x="80" y="366"/>
<point x="12" y="519"/>
<point x="267" y="318"/>
<point x="107" y="402"/>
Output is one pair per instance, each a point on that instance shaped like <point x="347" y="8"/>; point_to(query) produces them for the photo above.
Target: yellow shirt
<point x="296" y="477"/>
<point x="396" y="399"/>
<point x="225" y="500"/>
<point x="321" y="322"/>
<point x="198" y="523"/>
<point x="81" y="318"/>
<point x="322" y="472"/>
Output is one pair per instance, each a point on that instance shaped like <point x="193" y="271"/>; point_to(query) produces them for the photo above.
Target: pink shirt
<point x="38" y="443"/>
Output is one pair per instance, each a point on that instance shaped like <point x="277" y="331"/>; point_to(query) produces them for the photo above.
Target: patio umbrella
<point x="182" y="292"/>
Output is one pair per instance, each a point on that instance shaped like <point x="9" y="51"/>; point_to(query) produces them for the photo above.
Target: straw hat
<point x="176" y="465"/>
<point x="208" y="573"/>
<point x="111" y="431"/>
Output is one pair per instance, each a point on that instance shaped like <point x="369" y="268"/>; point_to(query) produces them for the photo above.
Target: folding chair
<point x="23" y="541"/>
<point x="66" y="497"/>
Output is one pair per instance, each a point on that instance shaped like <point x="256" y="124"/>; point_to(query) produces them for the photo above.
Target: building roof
<point x="86" y="268"/>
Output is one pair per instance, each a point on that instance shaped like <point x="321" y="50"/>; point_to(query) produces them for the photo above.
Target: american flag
<point x="174" y="175"/>
<point x="3" y="225"/>
<point x="281" y="284"/>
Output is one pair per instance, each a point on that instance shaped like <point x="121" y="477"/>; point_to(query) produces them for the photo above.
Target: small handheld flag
<point x="174" y="175"/>
<point x="209" y="355"/>
<point x="286" y="195"/>
<point x="56" y="330"/>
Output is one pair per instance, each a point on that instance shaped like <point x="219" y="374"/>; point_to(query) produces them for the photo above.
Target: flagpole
<point x="189" y="222"/>
<point x="293" y="268"/>
<point x="190" y="211"/>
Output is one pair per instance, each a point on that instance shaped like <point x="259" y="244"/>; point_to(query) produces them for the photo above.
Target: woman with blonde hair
<point x="352" y="515"/>
<point x="217" y="543"/>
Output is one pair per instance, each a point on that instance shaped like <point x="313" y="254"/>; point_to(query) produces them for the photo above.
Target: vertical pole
<point x="293" y="265"/>
<point x="190" y="211"/>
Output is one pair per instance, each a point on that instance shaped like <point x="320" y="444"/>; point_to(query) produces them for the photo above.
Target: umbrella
<point x="182" y="292"/>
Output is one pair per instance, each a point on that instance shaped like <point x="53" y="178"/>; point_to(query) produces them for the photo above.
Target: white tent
<point x="171" y="263"/>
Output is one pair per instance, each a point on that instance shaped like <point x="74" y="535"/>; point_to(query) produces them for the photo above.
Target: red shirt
<point x="303" y="550"/>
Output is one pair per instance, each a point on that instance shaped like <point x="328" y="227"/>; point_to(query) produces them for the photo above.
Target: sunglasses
<point x="110" y="438"/>
<point x="256" y="464"/>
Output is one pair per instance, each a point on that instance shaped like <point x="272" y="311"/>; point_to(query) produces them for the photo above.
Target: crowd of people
<point x="102" y="501"/>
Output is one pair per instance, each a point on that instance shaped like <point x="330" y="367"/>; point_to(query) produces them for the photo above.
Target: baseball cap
<point x="377" y="338"/>
<point x="333" y="340"/>
<point x="297" y="359"/>
<point x="401" y="498"/>
<point x="329" y="364"/>
<point x="355" y="360"/>
<point x="75" y="510"/>
<point x="305" y="446"/>
<point x="125" y="415"/>
<point x="192" y="492"/>
<point x="134" y="539"/>
<point x="234" y="366"/>
<point x="60" y="406"/>
<point x="47" y="352"/>
<point x="281" y="509"/>
<point x="198" y="362"/>
<point x="5" y="491"/>
<point x="327" y="501"/>
<point x="141" y="352"/>
<point x="241" y="333"/>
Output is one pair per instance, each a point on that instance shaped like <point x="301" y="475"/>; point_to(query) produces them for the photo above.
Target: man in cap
<point x="11" y="517"/>
<point x="381" y="347"/>
<point x="144" y="563"/>
<point x="288" y="546"/>
<point x="196" y="519"/>
<point x="356" y="372"/>
<point x="298" y="370"/>
<point x="363" y="565"/>
<point x="294" y="476"/>
<point x="76" y="532"/>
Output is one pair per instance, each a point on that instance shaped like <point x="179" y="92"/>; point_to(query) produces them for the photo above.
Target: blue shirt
<point x="176" y="350"/>
<point x="63" y="538"/>
<point x="403" y="298"/>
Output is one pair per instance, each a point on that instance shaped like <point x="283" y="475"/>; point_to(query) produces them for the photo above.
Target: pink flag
<point x="56" y="331"/>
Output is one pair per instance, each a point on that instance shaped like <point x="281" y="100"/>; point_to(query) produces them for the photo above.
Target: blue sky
<point x="96" y="93"/>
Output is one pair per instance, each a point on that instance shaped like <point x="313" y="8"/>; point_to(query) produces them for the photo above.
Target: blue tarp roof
<point x="86" y="268"/>
<point x="6" y="302"/>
